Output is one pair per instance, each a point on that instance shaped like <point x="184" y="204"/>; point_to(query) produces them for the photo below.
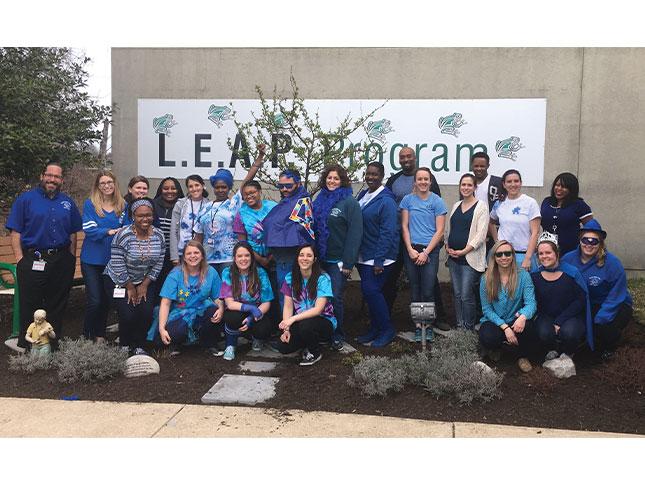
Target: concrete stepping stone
<point x="267" y="353"/>
<point x="409" y="336"/>
<point x="257" y="366"/>
<point x="249" y="390"/>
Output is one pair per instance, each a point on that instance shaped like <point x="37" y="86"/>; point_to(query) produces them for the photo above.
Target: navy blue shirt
<point x="561" y="299"/>
<point x="44" y="223"/>
<point x="564" y="222"/>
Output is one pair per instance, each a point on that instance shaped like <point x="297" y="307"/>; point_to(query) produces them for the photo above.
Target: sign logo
<point x="449" y="124"/>
<point x="279" y="120"/>
<point x="219" y="114"/>
<point x="594" y="281"/>
<point x="378" y="129"/>
<point x="508" y="148"/>
<point x="66" y="204"/>
<point x="163" y="124"/>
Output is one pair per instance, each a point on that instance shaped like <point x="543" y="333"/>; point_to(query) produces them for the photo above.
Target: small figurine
<point x="39" y="333"/>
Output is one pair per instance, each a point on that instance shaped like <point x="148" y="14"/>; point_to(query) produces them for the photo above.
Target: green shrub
<point x="84" y="360"/>
<point x="376" y="376"/>
<point x="352" y="359"/>
<point x="29" y="363"/>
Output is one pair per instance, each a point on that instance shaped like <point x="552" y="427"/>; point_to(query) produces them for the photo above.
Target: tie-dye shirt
<point x="266" y="293"/>
<point x="301" y="303"/>
<point x="216" y="224"/>
<point x="249" y="221"/>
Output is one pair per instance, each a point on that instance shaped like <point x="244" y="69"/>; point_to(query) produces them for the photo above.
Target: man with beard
<point x="402" y="183"/>
<point x="43" y="224"/>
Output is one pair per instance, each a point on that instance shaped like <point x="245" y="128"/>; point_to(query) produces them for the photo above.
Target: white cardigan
<point x="476" y="236"/>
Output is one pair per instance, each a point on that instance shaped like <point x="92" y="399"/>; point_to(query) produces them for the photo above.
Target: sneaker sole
<point x="311" y="362"/>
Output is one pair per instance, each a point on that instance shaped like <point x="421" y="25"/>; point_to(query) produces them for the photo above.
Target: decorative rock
<point x="140" y="365"/>
<point x="255" y="366"/>
<point x="249" y="390"/>
<point x="12" y="343"/>
<point x="482" y="367"/>
<point x="562" y="367"/>
<point x="347" y="349"/>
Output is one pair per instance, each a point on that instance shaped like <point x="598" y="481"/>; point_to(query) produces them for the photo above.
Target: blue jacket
<point x="380" y="228"/>
<point x="607" y="285"/>
<point x="503" y="309"/>
<point x="96" y="245"/>
<point x="290" y="223"/>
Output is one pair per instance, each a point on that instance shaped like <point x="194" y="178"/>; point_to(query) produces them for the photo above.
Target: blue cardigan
<point x="380" y="228"/>
<point x="607" y="285"/>
<point x="96" y="245"/>
<point x="503" y="309"/>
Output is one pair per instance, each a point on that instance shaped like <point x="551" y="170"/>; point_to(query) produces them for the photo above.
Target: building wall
<point x="595" y="117"/>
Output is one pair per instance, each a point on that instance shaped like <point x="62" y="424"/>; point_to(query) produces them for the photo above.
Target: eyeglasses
<point x="506" y="254"/>
<point x="285" y="186"/>
<point x="249" y="193"/>
<point x="53" y="176"/>
<point x="590" y="241"/>
<point x="106" y="184"/>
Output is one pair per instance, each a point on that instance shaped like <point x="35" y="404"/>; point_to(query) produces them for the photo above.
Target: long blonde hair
<point x="203" y="265"/>
<point x="97" y="198"/>
<point x="493" y="280"/>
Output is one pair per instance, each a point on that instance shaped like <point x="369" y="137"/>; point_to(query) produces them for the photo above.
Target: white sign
<point x="179" y="137"/>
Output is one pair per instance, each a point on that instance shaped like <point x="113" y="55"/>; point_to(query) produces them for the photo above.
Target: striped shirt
<point x="164" y="218"/>
<point x="131" y="259"/>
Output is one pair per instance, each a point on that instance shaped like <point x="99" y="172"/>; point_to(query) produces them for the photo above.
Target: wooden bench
<point x="8" y="272"/>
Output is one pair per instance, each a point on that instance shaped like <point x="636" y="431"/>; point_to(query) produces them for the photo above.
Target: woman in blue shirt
<point x="563" y="211"/>
<point x="611" y="303"/>
<point x="190" y="307"/>
<point x="423" y="218"/>
<point x="508" y="305"/>
<point x="308" y="316"/>
<point x="247" y="294"/>
<point x="102" y="218"/>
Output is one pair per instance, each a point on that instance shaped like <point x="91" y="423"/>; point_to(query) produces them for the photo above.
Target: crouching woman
<point x="308" y="316"/>
<point x="190" y="310"/>
<point x="508" y="306"/>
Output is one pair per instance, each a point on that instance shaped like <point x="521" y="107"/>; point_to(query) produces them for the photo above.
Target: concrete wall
<point x="595" y="117"/>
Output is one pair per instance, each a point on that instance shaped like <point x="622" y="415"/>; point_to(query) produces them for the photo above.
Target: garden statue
<point x="39" y="333"/>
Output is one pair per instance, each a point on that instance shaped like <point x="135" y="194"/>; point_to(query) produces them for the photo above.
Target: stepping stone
<point x="409" y="336"/>
<point x="232" y="389"/>
<point x="256" y="366"/>
<point x="267" y="353"/>
<point x="12" y="343"/>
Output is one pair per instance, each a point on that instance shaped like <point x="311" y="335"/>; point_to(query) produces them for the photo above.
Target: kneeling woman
<point x="508" y="305"/>
<point x="190" y="309"/>
<point x="246" y="291"/>
<point x="604" y="275"/>
<point x="562" y="302"/>
<point x="308" y="317"/>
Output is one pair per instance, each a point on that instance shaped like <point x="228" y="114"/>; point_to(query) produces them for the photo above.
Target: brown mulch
<point x="603" y="396"/>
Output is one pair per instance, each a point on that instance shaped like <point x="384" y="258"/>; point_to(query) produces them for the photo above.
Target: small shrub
<point x="375" y="376"/>
<point x="83" y="360"/>
<point x="397" y="348"/>
<point x="352" y="359"/>
<point x="29" y="363"/>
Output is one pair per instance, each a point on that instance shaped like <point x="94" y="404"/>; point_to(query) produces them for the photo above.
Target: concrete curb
<point x="85" y="419"/>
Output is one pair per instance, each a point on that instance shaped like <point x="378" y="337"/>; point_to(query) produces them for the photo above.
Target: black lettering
<point x="162" y="152"/>
<point x="240" y="141"/>
<point x="199" y="149"/>
<point x="276" y="149"/>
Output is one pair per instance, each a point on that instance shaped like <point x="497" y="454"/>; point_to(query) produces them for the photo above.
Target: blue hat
<point x="593" y="226"/>
<point x="224" y="175"/>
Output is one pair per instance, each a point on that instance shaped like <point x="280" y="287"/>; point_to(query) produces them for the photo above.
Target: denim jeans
<point x="422" y="277"/>
<point x="219" y="267"/>
<point x="338" y="281"/>
<point x="491" y="337"/>
<point x="464" y="288"/>
<point x="572" y="332"/>
<point x="372" y="288"/>
<point x="284" y="258"/>
<point x="98" y="301"/>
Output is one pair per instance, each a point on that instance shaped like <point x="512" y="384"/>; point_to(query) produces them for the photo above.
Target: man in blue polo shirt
<point x="43" y="224"/>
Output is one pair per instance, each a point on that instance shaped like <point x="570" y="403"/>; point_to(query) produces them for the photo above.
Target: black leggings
<point x="233" y="320"/>
<point x="307" y="334"/>
<point x="607" y="336"/>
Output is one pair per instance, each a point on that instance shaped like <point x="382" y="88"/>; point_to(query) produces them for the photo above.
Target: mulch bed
<point x="604" y="396"/>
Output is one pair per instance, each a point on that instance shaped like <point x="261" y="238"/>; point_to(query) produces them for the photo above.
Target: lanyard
<point x="215" y="213"/>
<point x="192" y="211"/>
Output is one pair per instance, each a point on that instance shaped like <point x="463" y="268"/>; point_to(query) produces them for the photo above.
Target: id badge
<point x="39" y="265"/>
<point x="119" y="292"/>
<point x="210" y="241"/>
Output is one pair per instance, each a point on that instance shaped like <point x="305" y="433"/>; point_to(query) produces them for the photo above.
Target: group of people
<point x="184" y="269"/>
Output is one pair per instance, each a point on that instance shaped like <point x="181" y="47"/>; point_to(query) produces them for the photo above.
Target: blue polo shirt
<point x="44" y="223"/>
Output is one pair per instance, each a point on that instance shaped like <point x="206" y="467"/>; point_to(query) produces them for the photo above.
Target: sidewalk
<point x="92" y="419"/>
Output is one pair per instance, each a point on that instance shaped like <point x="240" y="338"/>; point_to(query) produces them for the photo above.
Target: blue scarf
<point x="323" y="205"/>
<point x="573" y="272"/>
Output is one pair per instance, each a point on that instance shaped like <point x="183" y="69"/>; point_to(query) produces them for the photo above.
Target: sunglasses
<point x="590" y="241"/>
<point x="506" y="254"/>
<point x="285" y="186"/>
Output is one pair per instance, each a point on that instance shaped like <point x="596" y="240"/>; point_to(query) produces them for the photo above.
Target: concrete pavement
<point x="84" y="419"/>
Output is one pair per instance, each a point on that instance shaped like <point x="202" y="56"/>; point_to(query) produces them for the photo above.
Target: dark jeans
<point x="464" y="280"/>
<point x="97" y="303"/>
<point x="606" y="336"/>
<point x="209" y="332"/>
<point x="233" y="319"/>
<point x="134" y="320"/>
<point x="284" y="258"/>
<point x="390" y="290"/>
<point x="572" y="332"/>
<point x="338" y="281"/>
<point x="372" y="288"/>
<point x="47" y="290"/>
<point x="219" y="267"/>
<point x="307" y="334"/>
<point x="422" y="277"/>
<point x="165" y="269"/>
<point x="491" y="337"/>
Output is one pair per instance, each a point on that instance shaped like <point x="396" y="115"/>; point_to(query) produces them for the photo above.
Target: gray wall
<point x="595" y="116"/>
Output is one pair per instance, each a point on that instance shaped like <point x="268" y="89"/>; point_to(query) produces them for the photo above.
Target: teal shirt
<point x="345" y="224"/>
<point x="503" y="309"/>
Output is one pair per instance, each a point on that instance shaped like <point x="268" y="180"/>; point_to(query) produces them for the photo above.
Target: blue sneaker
<point x="229" y="353"/>
<point x="429" y="334"/>
<point x="417" y="335"/>
<point x="384" y="339"/>
<point x="369" y="336"/>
